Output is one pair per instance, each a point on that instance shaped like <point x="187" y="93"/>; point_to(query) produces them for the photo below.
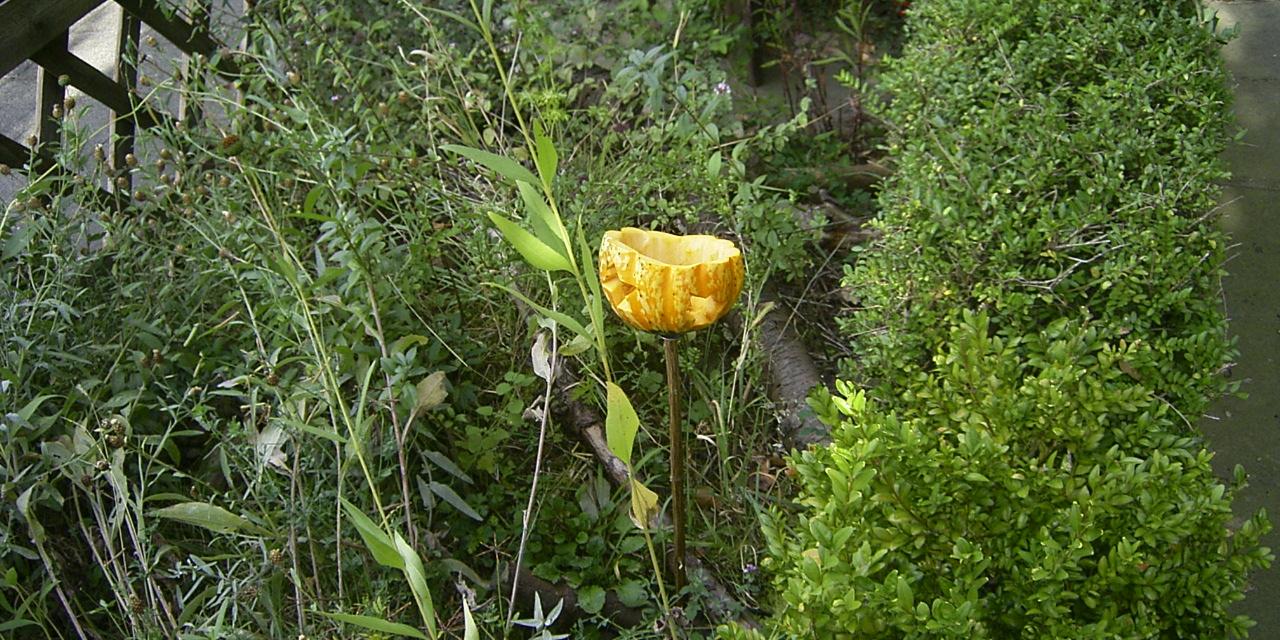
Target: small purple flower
<point x="335" y="98"/>
<point x="749" y="569"/>
<point x="723" y="89"/>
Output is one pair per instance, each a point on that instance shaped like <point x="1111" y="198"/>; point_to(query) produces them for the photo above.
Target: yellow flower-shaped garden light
<point x="670" y="285"/>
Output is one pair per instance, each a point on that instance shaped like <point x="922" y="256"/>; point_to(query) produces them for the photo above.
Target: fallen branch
<point x="570" y="612"/>
<point x="791" y="375"/>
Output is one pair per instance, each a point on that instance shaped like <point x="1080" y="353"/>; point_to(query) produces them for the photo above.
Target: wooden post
<point x="51" y="95"/>
<point x="188" y="109"/>
<point x="123" y="126"/>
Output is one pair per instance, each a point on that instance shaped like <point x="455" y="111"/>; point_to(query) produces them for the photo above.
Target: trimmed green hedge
<point x="1041" y="323"/>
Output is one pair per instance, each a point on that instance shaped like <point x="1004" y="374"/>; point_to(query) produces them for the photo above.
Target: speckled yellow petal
<point x="671" y="284"/>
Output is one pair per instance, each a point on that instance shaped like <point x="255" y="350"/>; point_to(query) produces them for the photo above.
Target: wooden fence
<point x="38" y="30"/>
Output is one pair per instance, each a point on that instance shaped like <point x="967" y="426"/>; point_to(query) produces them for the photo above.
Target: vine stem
<point x="670" y="345"/>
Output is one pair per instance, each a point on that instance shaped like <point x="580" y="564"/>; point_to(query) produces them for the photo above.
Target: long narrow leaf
<point x="620" y="423"/>
<point x="533" y="250"/>
<point x="375" y="539"/>
<point x="377" y="624"/>
<point x="540" y="214"/>
<point x="417" y="576"/>
<point x="564" y="320"/>
<point x="503" y="166"/>
<point x="546" y="158"/>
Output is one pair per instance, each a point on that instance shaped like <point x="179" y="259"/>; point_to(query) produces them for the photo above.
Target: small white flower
<point x="723" y="89"/>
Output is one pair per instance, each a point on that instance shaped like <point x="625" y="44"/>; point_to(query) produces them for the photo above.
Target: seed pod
<point x="160" y="164"/>
<point x="293" y="78"/>
<point x="69" y="103"/>
<point x="99" y="153"/>
<point x="5" y="170"/>
<point x="57" y="112"/>
<point x="122" y="183"/>
<point x="115" y="441"/>
<point x="165" y="154"/>
<point x="151" y="41"/>
<point x="130" y="160"/>
<point x="64" y="80"/>
<point x="224" y="182"/>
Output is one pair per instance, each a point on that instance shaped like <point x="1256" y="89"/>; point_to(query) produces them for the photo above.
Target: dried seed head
<point x="151" y="41"/>
<point x="57" y="111"/>
<point x="224" y="182"/>
<point x="5" y="170"/>
<point x="165" y="154"/>
<point x="99" y="153"/>
<point x="69" y="103"/>
<point x="32" y="141"/>
<point x="64" y="80"/>
<point x="115" y="441"/>
<point x="160" y="164"/>
<point x="140" y="196"/>
<point x="122" y="183"/>
<point x="276" y="556"/>
<point x="293" y="78"/>
<point x="130" y="159"/>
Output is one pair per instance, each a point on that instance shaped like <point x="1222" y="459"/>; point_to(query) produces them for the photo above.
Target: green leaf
<point x="207" y="516"/>
<point x="447" y="465"/>
<point x="377" y="624"/>
<point x="713" y="165"/>
<point x="905" y="597"/>
<point x="448" y="495"/>
<point x="503" y="166"/>
<point x="591" y="599"/>
<point x="620" y="423"/>
<point x="533" y="250"/>
<point x="33" y="525"/>
<point x="313" y="196"/>
<point x="417" y="576"/>
<point x="578" y="344"/>
<point x="541" y="216"/>
<point x="375" y="539"/>
<point x="546" y="158"/>
<point x="469" y="629"/>
<point x="564" y="320"/>
<point x="633" y="593"/>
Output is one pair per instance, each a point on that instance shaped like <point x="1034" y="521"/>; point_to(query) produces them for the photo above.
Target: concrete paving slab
<point x="1246" y="431"/>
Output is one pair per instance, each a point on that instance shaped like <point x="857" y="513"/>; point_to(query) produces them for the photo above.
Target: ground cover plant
<point x="303" y="385"/>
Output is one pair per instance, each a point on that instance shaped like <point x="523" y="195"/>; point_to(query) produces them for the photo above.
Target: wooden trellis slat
<point x="16" y="154"/>
<point x="189" y="111"/>
<point x="178" y="31"/>
<point x="97" y="85"/>
<point x="29" y="25"/>
<point x="123" y="127"/>
<point x="50" y="96"/>
<point x="38" y="30"/>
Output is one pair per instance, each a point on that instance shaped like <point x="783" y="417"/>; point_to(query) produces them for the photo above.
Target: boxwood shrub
<point x="1038" y="329"/>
